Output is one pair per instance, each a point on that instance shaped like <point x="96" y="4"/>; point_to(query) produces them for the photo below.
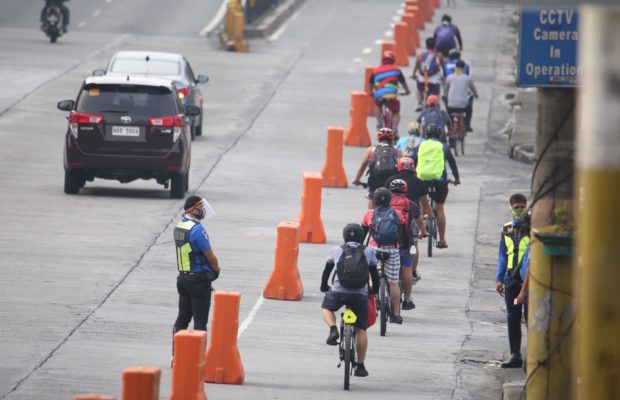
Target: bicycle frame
<point x="431" y="224"/>
<point x="457" y="132"/>
<point x="386" y="114"/>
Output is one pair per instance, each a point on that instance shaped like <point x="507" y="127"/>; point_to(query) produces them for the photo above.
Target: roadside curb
<point x="514" y="381"/>
<point x="270" y="22"/>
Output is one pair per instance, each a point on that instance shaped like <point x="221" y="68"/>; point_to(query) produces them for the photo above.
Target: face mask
<point x="201" y="213"/>
<point x="518" y="214"/>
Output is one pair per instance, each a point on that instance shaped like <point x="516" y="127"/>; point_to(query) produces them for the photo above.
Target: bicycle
<point x="346" y="346"/>
<point x="431" y="223"/>
<point x="457" y="132"/>
<point x="386" y="113"/>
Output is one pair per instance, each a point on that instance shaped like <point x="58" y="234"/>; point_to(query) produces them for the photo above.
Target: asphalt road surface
<point x="87" y="282"/>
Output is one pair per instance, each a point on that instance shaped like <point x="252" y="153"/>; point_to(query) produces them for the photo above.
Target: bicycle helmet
<point x="398" y="186"/>
<point x="385" y="134"/>
<point x="382" y="197"/>
<point x="353" y="233"/>
<point x="432" y="100"/>
<point x="406" y="163"/>
<point x="414" y="128"/>
<point x="388" y="57"/>
<point x="432" y="130"/>
<point x="454" y="54"/>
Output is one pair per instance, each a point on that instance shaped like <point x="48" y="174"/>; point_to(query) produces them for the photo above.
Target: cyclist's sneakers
<point x="469" y="129"/>
<point x="416" y="277"/>
<point x="418" y="108"/>
<point x="360" y="370"/>
<point x="442" y="244"/>
<point x="408" y="305"/>
<point x="332" y="339"/>
<point x="396" y="319"/>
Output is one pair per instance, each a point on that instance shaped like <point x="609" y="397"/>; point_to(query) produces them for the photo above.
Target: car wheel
<point x="72" y="182"/>
<point x="177" y="186"/>
<point x="198" y="129"/>
<point x="192" y="130"/>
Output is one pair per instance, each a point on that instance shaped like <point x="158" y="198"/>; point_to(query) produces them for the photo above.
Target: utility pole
<point x="598" y="163"/>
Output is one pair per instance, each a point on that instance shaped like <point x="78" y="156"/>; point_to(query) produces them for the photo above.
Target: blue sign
<point x="548" y="48"/>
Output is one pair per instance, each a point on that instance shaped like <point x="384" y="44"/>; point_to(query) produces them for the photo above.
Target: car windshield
<point x="141" y="66"/>
<point x="136" y="100"/>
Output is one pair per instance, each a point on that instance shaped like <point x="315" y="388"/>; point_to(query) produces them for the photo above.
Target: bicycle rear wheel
<point x="463" y="145"/>
<point x="348" y="354"/>
<point x="383" y="304"/>
<point x="431" y="235"/>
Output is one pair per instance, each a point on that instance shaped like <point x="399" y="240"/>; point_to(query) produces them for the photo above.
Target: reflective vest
<point x="431" y="160"/>
<point x="515" y="237"/>
<point x="385" y="81"/>
<point x="187" y="259"/>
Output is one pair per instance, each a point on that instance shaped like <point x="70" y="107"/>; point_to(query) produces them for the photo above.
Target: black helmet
<point x="382" y="196"/>
<point x="353" y="233"/>
<point x="432" y="130"/>
<point x="454" y="54"/>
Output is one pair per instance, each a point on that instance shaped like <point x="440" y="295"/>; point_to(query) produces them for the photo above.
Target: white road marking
<point x="216" y="19"/>
<point x="378" y="42"/>
<point x="96" y="13"/>
<point x="357" y="60"/>
<point x="366" y="50"/>
<point x="388" y="33"/>
<point x="82" y="24"/>
<point x="108" y="1"/>
<point x="351" y="71"/>
<point x="246" y="322"/>
<point x="396" y="18"/>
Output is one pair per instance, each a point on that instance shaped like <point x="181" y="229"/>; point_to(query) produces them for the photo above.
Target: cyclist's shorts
<point x="392" y="104"/>
<point x="440" y="194"/>
<point x="433" y="88"/>
<point x="357" y="302"/>
<point x="406" y="259"/>
<point x="392" y="265"/>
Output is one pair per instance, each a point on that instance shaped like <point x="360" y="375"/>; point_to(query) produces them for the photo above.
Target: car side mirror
<point x="98" y="72"/>
<point x="191" y="110"/>
<point x="66" y="105"/>
<point x="202" y="79"/>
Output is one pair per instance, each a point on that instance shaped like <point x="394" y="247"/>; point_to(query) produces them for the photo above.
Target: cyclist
<point x="430" y="159"/>
<point x="418" y="193"/>
<point x="410" y="212"/>
<point x="428" y="72"/>
<point x="435" y="115"/>
<point x="354" y="298"/>
<point x="460" y="91"/>
<point x="406" y="145"/>
<point x="446" y="35"/>
<point x="384" y="83"/>
<point x="391" y="266"/>
<point x="453" y="57"/>
<point x="381" y="161"/>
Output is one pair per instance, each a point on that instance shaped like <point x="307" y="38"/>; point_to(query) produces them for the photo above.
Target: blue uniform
<point x="199" y="240"/>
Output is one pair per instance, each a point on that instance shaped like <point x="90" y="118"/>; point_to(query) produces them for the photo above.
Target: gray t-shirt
<point x="459" y="88"/>
<point x="334" y="256"/>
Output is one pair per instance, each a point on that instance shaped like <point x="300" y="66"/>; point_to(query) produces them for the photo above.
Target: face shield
<point x="204" y="209"/>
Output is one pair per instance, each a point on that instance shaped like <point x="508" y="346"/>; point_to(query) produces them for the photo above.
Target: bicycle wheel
<point x="431" y="234"/>
<point x="463" y="146"/>
<point x="383" y="304"/>
<point x="348" y="354"/>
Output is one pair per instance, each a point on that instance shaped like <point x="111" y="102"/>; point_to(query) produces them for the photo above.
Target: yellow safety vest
<point x="431" y="160"/>
<point x="515" y="238"/>
<point x="184" y="249"/>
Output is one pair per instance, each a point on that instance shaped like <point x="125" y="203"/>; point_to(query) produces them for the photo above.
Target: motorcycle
<point x="52" y="22"/>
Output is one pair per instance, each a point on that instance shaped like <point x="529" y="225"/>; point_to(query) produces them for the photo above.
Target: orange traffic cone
<point x="223" y="362"/>
<point x="400" y="40"/>
<point x="310" y="224"/>
<point x="284" y="283"/>
<point x="357" y="131"/>
<point x="333" y="171"/>
<point x="188" y="366"/>
<point x="370" y="111"/>
<point x="141" y="383"/>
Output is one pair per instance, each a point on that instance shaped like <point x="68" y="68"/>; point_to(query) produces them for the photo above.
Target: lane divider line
<point x="216" y="20"/>
<point x="248" y="320"/>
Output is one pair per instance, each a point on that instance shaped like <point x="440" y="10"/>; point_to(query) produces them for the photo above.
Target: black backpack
<point x="352" y="267"/>
<point x="385" y="226"/>
<point x="382" y="165"/>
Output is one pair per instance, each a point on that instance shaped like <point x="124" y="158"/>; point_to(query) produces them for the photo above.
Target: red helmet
<point x="385" y="133"/>
<point x="432" y="100"/>
<point x="406" y="163"/>
<point x="388" y="57"/>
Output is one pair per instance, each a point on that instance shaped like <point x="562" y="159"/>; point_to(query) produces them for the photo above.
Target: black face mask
<point x="201" y="213"/>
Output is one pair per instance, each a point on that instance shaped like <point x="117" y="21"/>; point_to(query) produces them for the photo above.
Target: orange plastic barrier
<point x="333" y="171"/>
<point x="418" y="19"/>
<point x="284" y="283"/>
<point x="412" y="33"/>
<point x="188" y="366"/>
<point x="93" y="397"/>
<point x="400" y="39"/>
<point x="436" y="4"/>
<point x="141" y="383"/>
<point x="370" y="111"/>
<point x="357" y="131"/>
<point x="419" y="11"/>
<point x="223" y="362"/>
<point x="311" y="228"/>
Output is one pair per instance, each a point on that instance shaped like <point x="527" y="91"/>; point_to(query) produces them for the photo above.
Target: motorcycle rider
<point x="63" y="9"/>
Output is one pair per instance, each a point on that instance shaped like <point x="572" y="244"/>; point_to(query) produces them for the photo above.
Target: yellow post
<point x="240" y="43"/>
<point x="598" y="162"/>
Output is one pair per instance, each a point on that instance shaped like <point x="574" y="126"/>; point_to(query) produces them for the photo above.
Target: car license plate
<point x="130" y="131"/>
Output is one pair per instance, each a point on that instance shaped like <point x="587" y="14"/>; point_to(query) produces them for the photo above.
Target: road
<point x="87" y="281"/>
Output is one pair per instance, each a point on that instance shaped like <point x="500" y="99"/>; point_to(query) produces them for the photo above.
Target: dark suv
<point x="128" y="128"/>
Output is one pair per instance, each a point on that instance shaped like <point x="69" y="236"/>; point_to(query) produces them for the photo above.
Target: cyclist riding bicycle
<point x="430" y="159"/>
<point x="384" y="83"/>
<point x="453" y="57"/>
<point x="407" y="144"/>
<point x="381" y="160"/>
<point x="434" y="115"/>
<point x="446" y="36"/>
<point x="344" y="293"/>
<point x="428" y="72"/>
<point x="391" y="267"/>
<point x="460" y="91"/>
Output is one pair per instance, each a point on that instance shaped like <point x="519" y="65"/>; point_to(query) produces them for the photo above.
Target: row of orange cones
<point x="221" y="361"/>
